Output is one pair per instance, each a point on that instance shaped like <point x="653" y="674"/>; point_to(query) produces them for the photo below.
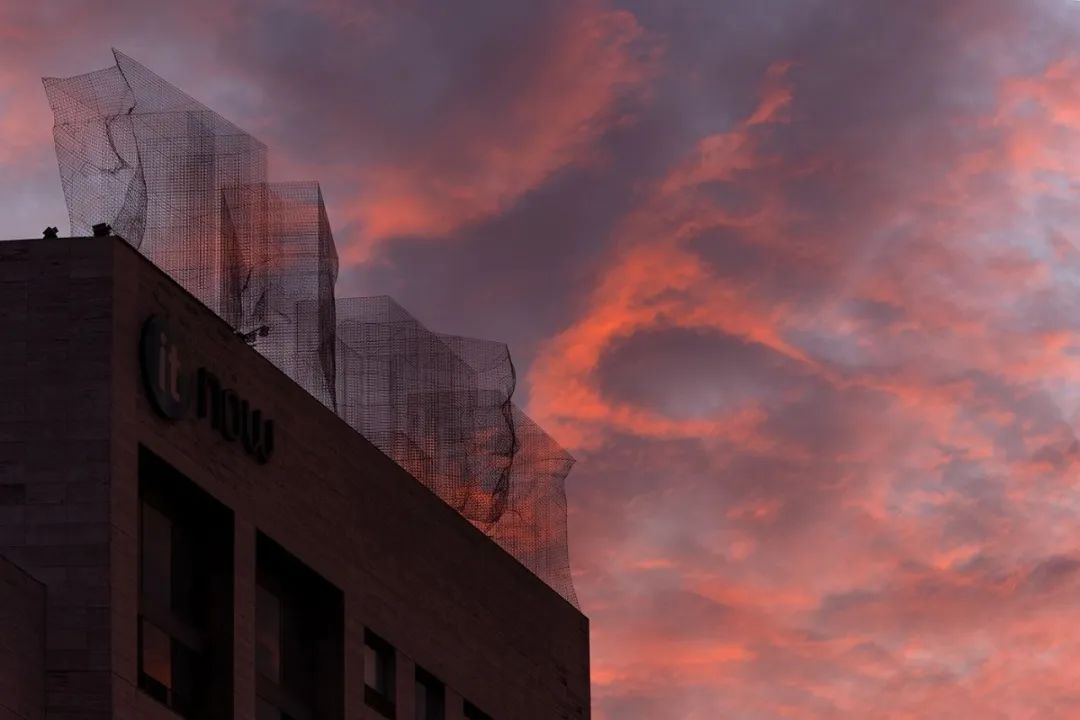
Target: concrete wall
<point x="22" y="645"/>
<point x="410" y="567"/>
<point x="55" y="354"/>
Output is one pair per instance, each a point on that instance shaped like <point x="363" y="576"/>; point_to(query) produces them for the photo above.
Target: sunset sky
<point x="796" y="281"/>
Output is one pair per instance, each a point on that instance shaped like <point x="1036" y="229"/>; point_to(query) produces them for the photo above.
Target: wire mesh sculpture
<point x="417" y="396"/>
<point x="137" y="153"/>
<point x="189" y="190"/>
<point x="279" y="266"/>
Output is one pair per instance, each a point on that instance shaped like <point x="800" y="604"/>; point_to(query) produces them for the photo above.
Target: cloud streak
<point x="796" y="282"/>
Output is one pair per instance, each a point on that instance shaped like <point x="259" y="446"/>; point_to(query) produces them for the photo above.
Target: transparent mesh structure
<point x="139" y="154"/>
<point x="439" y="406"/>
<point x="301" y="271"/>
<point x="189" y="189"/>
<point x="532" y="525"/>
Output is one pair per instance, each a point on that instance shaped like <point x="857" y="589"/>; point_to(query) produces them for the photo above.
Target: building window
<point x="430" y="696"/>
<point x="156" y="569"/>
<point x="268" y="635"/>
<point x="379" y="677"/>
<point x="155" y="561"/>
<point x="155" y="661"/>
<point x="299" y="652"/>
<point x="267" y="711"/>
<point x="474" y="713"/>
<point x="184" y="626"/>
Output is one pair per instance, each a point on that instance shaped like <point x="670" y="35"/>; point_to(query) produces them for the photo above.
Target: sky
<point x="796" y="281"/>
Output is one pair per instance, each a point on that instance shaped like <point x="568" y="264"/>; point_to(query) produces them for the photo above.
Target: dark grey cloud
<point x="692" y="373"/>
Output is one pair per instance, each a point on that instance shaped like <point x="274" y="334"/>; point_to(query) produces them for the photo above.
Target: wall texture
<point x="56" y="328"/>
<point x="22" y="645"/>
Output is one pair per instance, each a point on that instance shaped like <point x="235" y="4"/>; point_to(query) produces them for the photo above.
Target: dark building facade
<point x="187" y="532"/>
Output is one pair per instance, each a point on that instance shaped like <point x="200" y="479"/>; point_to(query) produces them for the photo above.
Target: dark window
<point x="299" y="653"/>
<point x="268" y="635"/>
<point x="156" y="561"/>
<point x="185" y="594"/>
<point x="155" y="660"/>
<point x="430" y="696"/>
<point x="266" y="711"/>
<point x="474" y="713"/>
<point x="379" y="682"/>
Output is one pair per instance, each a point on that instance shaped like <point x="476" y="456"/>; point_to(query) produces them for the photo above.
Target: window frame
<point x="311" y="667"/>
<point x="431" y="685"/>
<point x="471" y="712"/>
<point x="271" y="691"/>
<point x="383" y="701"/>
<point x="189" y="603"/>
<point x="182" y="636"/>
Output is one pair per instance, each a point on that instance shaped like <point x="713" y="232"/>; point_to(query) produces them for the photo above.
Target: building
<point x="186" y="531"/>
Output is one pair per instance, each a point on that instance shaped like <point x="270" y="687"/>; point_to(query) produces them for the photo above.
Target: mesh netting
<point x="189" y="190"/>
<point x="139" y="154"/>
<point x="417" y="396"/>
<point x="532" y="526"/>
<point x="278" y="273"/>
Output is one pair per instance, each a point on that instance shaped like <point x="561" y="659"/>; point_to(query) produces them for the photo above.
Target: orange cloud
<point x="656" y="282"/>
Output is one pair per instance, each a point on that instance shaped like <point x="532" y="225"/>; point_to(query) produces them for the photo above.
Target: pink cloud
<point x="477" y="162"/>
<point x="920" y="578"/>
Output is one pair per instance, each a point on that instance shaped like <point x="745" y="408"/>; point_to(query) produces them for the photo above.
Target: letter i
<point x="163" y="362"/>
